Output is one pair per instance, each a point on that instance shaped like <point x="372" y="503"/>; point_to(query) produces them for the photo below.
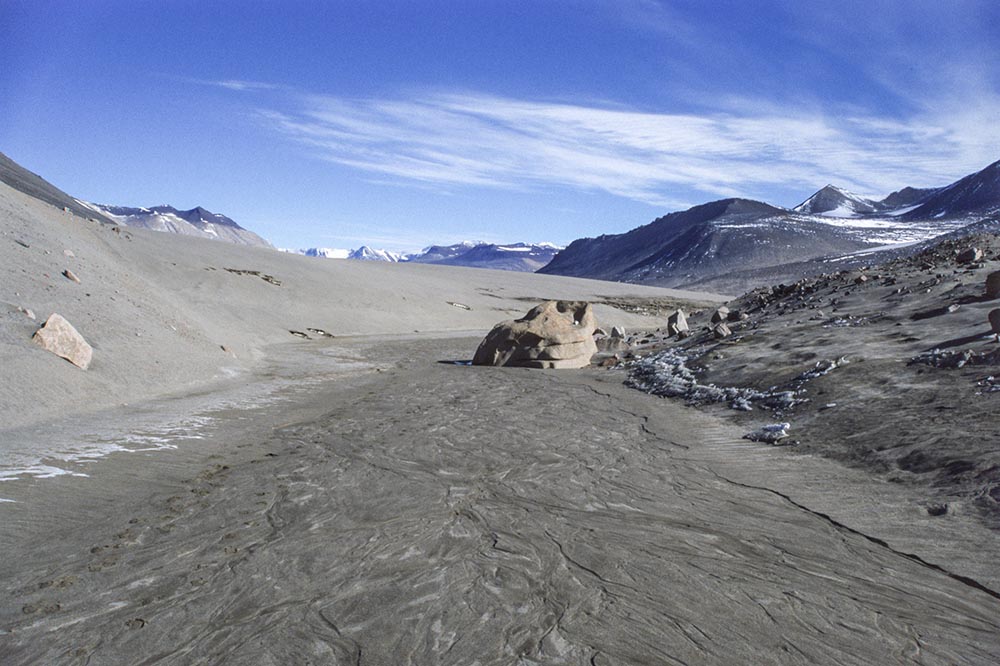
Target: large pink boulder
<point x="555" y="334"/>
<point x="59" y="337"/>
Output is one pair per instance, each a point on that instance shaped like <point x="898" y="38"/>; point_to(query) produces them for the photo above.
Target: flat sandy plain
<point x="362" y="499"/>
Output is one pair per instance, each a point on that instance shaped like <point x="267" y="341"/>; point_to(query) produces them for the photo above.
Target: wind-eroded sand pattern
<point x="441" y="514"/>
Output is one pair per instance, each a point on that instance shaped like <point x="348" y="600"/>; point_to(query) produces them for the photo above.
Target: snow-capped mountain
<point x="527" y="257"/>
<point x="510" y="257"/>
<point x="326" y="252"/>
<point x="365" y="253"/>
<point x="836" y="202"/>
<point x="727" y="244"/>
<point x="195" y="222"/>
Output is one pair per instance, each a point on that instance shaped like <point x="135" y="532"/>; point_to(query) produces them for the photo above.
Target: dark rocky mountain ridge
<point x="709" y="245"/>
<point x="22" y="180"/>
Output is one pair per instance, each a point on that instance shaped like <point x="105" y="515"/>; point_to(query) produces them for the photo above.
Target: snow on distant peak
<point x="365" y="253"/>
<point x="834" y="201"/>
<point x="326" y="252"/>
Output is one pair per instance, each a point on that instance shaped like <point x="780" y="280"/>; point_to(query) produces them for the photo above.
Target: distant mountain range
<point x="528" y="257"/>
<point x="725" y="246"/>
<point x="731" y="244"/>
<point x="523" y="257"/>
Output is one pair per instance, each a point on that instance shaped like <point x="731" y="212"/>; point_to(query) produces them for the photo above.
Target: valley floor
<point x="435" y="513"/>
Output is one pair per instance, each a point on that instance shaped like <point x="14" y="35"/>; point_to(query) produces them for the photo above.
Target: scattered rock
<point x="69" y="253"/>
<point x="993" y="285"/>
<point x="27" y="313"/>
<point x="677" y="323"/>
<point x="600" y="332"/>
<point x="555" y="334"/>
<point x="769" y="434"/>
<point x="666" y="373"/>
<point x="721" y="331"/>
<point x="299" y="334"/>
<point x="70" y="275"/>
<point x="59" y="337"/>
<point x="737" y="315"/>
<point x="937" y="509"/>
<point x="861" y="279"/>
<point x="320" y="332"/>
<point x="720" y="315"/>
<point x="461" y="306"/>
<point x="821" y="368"/>
<point x="994" y="317"/>
<point x="970" y="255"/>
<point x="617" y="332"/>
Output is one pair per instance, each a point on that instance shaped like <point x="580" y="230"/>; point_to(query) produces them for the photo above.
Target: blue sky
<point x="401" y="124"/>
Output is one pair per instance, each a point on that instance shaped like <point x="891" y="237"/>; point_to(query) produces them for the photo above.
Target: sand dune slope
<point x="158" y="309"/>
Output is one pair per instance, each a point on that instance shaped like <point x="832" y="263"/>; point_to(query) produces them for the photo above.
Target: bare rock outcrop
<point x="721" y="331"/>
<point x="970" y="255"/>
<point x="59" y="337"/>
<point x="677" y="323"/>
<point x="994" y="317"/>
<point x="555" y="334"/>
<point x="993" y="285"/>
<point x="720" y="315"/>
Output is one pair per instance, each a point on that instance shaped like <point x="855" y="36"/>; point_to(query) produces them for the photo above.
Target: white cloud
<point x="481" y="140"/>
<point x="238" y="85"/>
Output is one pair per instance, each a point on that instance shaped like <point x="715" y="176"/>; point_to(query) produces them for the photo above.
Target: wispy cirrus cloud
<point x="747" y="149"/>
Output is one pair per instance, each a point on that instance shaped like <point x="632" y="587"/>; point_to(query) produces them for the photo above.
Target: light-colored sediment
<point x="167" y="313"/>
<point x="433" y="513"/>
<point x="363" y="500"/>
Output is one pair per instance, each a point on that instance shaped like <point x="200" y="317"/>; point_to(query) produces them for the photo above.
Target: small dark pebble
<point x="937" y="509"/>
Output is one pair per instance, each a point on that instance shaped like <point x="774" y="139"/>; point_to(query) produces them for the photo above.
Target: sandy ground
<point x="167" y="314"/>
<point x="433" y="513"/>
<point x="362" y="499"/>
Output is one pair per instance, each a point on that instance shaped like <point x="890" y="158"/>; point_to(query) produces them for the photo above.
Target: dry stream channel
<point x="429" y="513"/>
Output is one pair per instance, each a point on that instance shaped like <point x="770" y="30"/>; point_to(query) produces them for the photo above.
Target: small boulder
<point x="555" y="334"/>
<point x="737" y="315"/>
<point x="677" y="323"/>
<point x="70" y="275"/>
<point x="617" y="332"/>
<point x="59" y="337"/>
<point x="720" y="315"/>
<point x="970" y="255"/>
<point x="769" y="434"/>
<point x="993" y="285"/>
<point x="861" y="279"/>
<point x="721" y="331"/>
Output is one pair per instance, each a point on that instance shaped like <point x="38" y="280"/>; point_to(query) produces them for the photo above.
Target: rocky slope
<point x="33" y="185"/>
<point x="891" y="367"/>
